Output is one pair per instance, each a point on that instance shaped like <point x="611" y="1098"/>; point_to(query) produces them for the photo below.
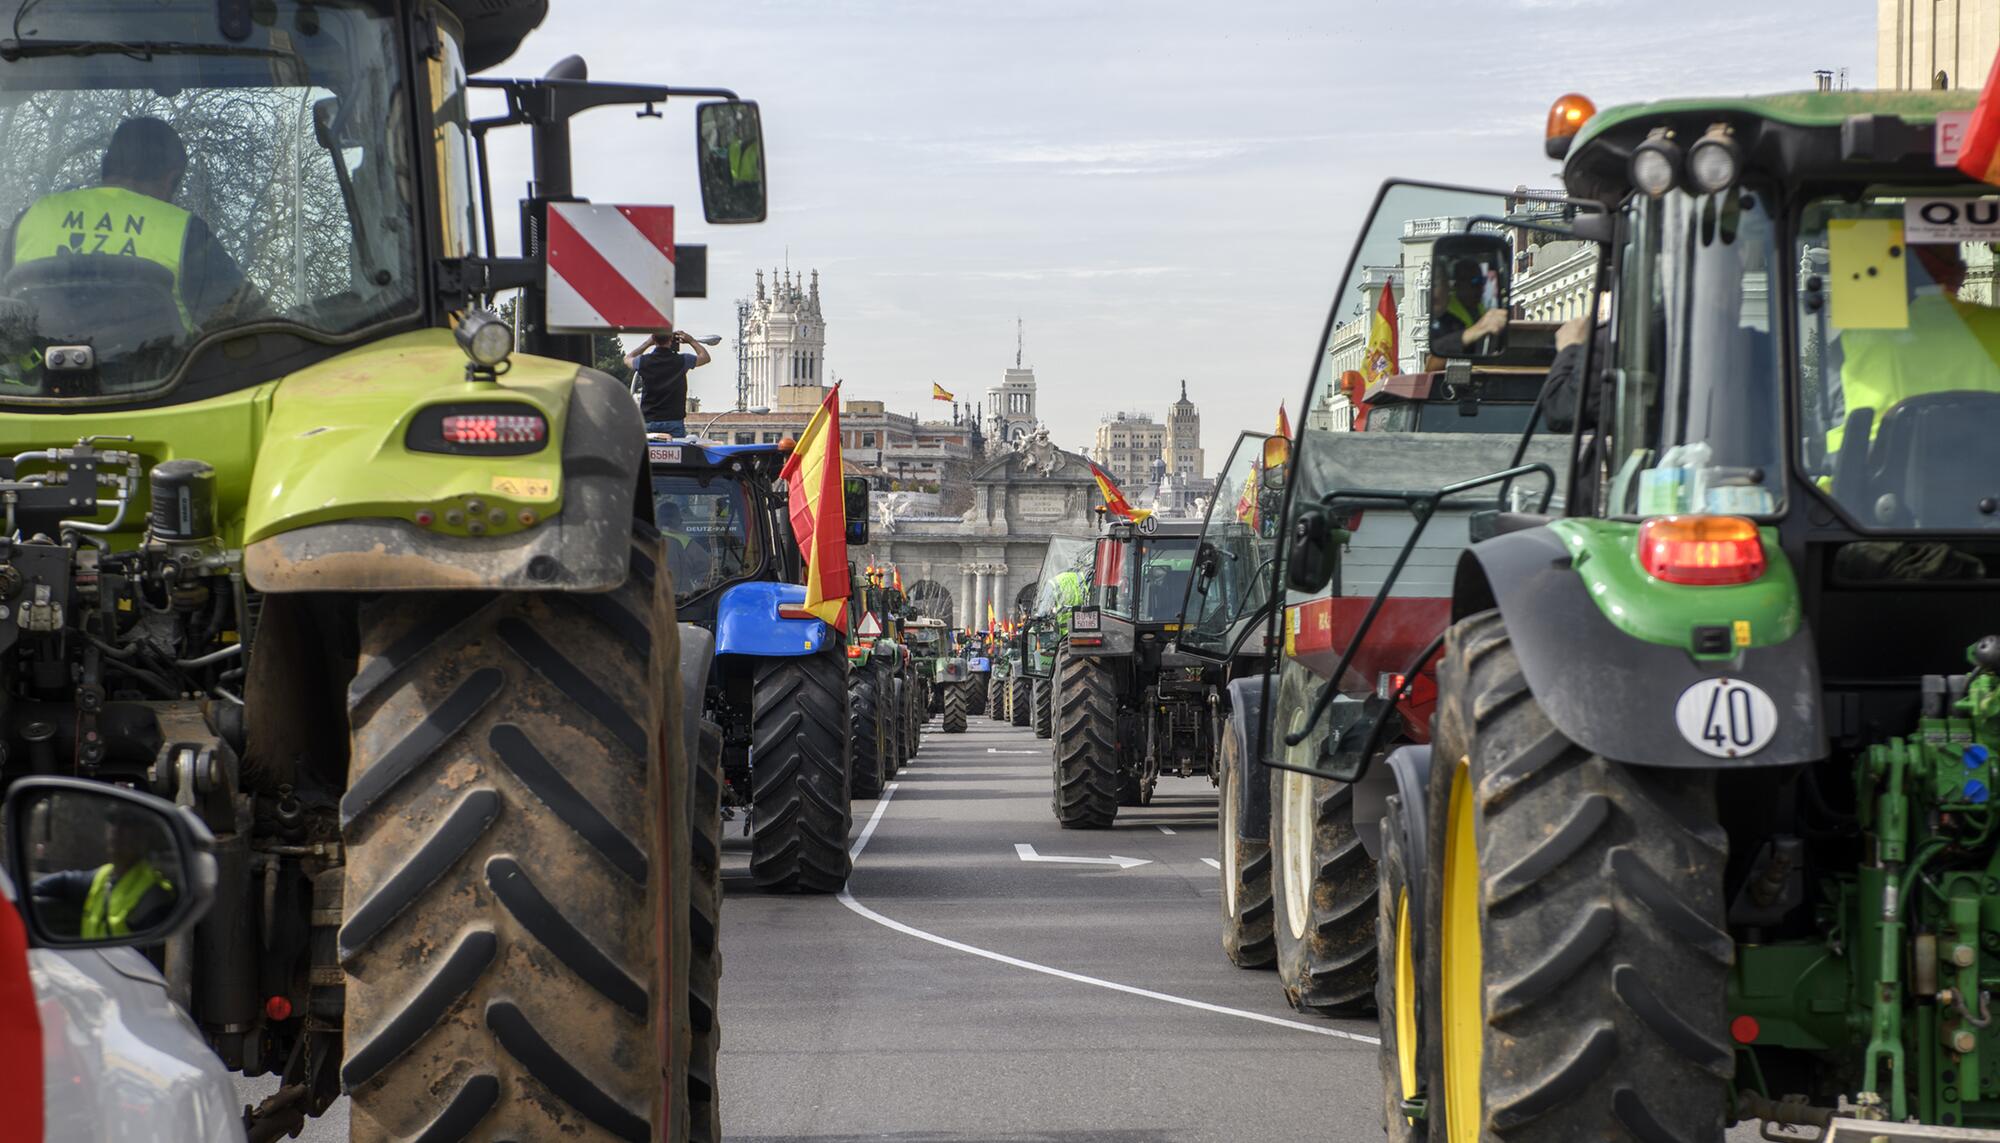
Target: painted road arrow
<point x="1027" y="853"/>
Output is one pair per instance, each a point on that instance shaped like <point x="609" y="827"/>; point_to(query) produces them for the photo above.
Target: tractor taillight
<point x="1702" y="550"/>
<point x="494" y="429"/>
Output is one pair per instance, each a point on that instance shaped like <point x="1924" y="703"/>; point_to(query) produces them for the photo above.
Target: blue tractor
<point x="776" y="674"/>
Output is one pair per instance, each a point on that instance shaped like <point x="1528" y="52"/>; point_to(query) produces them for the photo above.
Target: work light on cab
<point x="1715" y="161"/>
<point x="1656" y="163"/>
<point x="1566" y="117"/>
<point x="1701" y="550"/>
<point x="486" y="339"/>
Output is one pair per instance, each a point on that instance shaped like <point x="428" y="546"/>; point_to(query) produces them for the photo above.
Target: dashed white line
<point x="1164" y="830"/>
<point x="847" y="899"/>
<point x="1211" y="863"/>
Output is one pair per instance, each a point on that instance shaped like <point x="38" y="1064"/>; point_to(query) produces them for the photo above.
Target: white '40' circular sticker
<point x="1727" y="718"/>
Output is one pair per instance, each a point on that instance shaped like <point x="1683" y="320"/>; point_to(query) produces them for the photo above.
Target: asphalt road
<point x="957" y="992"/>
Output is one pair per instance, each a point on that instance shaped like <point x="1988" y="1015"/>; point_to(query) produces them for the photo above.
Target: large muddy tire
<point x="1245" y="867"/>
<point x="1020" y="701"/>
<point x="953" y="718"/>
<point x="892" y="726"/>
<point x="799" y="762"/>
<point x="864" y="729"/>
<point x="1579" y="911"/>
<point x="1398" y="970"/>
<point x="1044" y="699"/>
<point x="1086" y="758"/>
<point x="705" y="938"/>
<point x="516" y="828"/>
<point x="996" y="697"/>
<point x="975" y="695"/>
<point x="1323" y="881"/>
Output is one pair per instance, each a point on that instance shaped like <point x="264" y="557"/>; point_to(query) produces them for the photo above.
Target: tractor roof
<point x="495" y="28"/>
<point x="666" y="454"/>
<point x="1799" y="136"/>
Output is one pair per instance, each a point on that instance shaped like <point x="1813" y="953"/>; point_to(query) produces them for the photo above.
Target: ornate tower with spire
<point x="1183" y="451"/>
<point x="785" y="341"/>
<point x="1010" y="409"/>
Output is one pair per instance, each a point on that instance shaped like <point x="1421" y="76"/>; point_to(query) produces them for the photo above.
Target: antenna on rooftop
<point x="1019" y="341"/>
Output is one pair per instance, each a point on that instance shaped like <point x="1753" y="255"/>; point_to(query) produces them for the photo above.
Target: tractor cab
<point x="724" y="519"/>
<point x="1228" y="597"/>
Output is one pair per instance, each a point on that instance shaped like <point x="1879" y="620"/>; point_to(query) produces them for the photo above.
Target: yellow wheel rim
<point x="1406" y="998"/>
<point x="1459" y="952"/>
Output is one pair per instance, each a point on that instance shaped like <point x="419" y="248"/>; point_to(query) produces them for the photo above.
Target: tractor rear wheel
<point x="516" y="826"/>
<point x="1020" y="701"/>
<point x="864" y="729"/>
<point x="799" y="763"/>
<point x="954" y="707"/>
<point x="1398" y="968"/>
<point x="975" y="695"/>
<point x="1246" y="873"/>
<point x="893" y="722"/>
<point x="1086" y="759"/>
<point x="996" y="697"/>
<point x="1323" y="881"/>
<point x="1581" y="963"/>
<point x="705" y="938"/>
<point x="1044" y="698"/>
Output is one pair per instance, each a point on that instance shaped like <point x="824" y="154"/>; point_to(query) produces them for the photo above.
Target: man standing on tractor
<point x="131" y="214"/>
<point x="661" y="373"/>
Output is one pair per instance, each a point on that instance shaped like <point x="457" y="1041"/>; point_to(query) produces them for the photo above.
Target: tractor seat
<point x="115" y="304"/>
<point x="1930" y="465"/>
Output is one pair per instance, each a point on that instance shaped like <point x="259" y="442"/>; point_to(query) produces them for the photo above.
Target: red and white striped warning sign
<point x="611" y="268"/>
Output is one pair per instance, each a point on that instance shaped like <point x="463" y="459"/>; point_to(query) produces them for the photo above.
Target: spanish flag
<point x="938" y="393"/>
<point x="1979" y="155"/>
<point x="812" y="474"/>
<point x="1114" y="500"/>
<point x="992" y="620"/>
<point x="1380" y="359"/>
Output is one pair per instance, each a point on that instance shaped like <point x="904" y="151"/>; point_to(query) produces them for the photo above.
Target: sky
<point x="1160" y="190"/>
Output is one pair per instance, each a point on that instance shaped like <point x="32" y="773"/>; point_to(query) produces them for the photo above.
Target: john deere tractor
<point x="295" y="537"/>
<point x="1705" y="831"/>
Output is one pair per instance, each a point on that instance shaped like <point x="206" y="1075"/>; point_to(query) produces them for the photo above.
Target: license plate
<point x="663" y="454"/>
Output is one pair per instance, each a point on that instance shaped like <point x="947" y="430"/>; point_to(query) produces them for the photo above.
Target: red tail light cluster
<point x="1701" y="550"/>
<point x="491" y="428"/>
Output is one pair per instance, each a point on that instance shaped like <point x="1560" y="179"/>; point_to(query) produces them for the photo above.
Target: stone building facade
<point x="1183" y="449"/>
<point x="784" y="341"/>
<point x="1923" y="44"/>
<point x="1010" y="409"/>
<point x="1131" y="447"/>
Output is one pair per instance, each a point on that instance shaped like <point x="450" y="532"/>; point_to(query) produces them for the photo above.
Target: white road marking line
<point x="1211" y="863"/>
<point x="1026" y="852"/>
<point x="1164" y="830"/>
<point x="847" y="899"/>
<point x="996" y="750"/>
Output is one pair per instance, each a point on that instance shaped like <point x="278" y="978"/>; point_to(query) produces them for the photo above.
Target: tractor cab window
<point x="707" y="523"/>
<point x="1696" y="417"/>
<point x="161" y="183"/>
<point x="1164" y="568"/>
<point x="1899" y="358"/>
<point x="1232" y="570"/>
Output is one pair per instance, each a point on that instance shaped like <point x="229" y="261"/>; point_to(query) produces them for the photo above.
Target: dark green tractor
<point x="1705" y="832"/>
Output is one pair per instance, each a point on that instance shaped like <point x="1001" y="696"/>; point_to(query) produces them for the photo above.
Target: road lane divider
<point x="846" y="898"/>
<point x="1026" y="852"/>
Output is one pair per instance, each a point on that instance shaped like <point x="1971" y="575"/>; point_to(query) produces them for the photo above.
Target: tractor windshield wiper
<point x="16" y="49"/>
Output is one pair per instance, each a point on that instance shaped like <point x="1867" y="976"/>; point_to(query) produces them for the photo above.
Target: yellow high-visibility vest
<point x="105" y="220"/>
<point x="107" y="906"/>
<point x="1948" y="345"/>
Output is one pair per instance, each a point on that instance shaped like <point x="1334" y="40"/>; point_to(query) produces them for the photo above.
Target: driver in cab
<point x="1463" y="315"/>
<point x="125" y="894"/>
<point x="130" y="214"/>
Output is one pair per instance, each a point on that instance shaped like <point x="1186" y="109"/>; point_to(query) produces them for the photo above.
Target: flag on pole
<point x="1278" y="448"/>
<point x="1979" y="155"/>
<point x="992" y="620"/>
<point x="1380" y="359"/>
<point x="1114" y="500"/>
<point x="938" y="393"/>
<point x="818" y="509"/>
<point x="898" y="573"/>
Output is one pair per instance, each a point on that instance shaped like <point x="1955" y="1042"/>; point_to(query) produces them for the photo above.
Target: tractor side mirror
<point x="98" y="867"/>
<point x="1314" y="553"/>
<point x="854" y="504"/>
<point x="1470" y="278"/>
<point x="729" y="137"/>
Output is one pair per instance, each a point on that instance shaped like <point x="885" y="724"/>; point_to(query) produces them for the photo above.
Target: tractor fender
<point x="585" y="546"/>
<point x="1246" y="725"/>
<point x="1401" y="772"/>
<point x="697" y="655"/>
<point x="747" y="622"/>
<point x="1610" y="693"/>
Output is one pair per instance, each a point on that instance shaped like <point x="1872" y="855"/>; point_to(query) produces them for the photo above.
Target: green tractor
<point x="998" y="686"/>
<point x="295" y="538"/>
<point x="1705" y="832"/>
<point x="953" y="684"/>
<point x="874" y="662"/>
<point x="929" y="645"/>
<point x="1062" y="587"/>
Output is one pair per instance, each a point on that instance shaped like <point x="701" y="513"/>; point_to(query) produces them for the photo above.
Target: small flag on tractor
<point x="1114" y="500"/>
<point x="992" y="620"/>
<point x="1278" y="448"/>
<point x="899" y="576"/>
<point x="818" y="509"/>
<point x="938" y="393"/>
<point x="1979" y="155"/>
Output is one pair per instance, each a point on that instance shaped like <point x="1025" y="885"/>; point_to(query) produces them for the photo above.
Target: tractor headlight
<point x="1656" y="164"/>
<point x="1715" y="160"/>
<point x="486" y="339"/>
